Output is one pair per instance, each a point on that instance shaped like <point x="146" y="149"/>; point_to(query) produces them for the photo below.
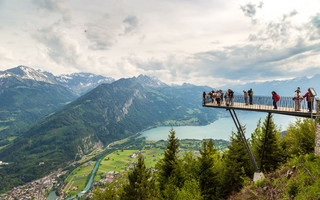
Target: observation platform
<point x="265" y="104"/>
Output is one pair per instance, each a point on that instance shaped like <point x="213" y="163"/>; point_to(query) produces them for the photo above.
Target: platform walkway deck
<point x="264" y="104"/>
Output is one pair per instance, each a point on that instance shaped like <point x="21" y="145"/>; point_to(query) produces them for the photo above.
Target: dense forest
<point x="228" y="174"/>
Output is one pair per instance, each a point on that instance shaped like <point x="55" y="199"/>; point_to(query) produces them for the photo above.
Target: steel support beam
<point x="265" y="140"/>
<point x="243" y="138"/>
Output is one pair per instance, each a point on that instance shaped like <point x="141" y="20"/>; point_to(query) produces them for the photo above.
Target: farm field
<point x="122" y="160"/>
<point x="78" y="178"/>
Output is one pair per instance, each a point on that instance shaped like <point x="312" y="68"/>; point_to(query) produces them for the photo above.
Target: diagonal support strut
<point x="265" y="140"/>
<point x="243" y="138"/>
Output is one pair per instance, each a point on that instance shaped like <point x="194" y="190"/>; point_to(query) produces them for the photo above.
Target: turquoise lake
<point x="220" y="129"/>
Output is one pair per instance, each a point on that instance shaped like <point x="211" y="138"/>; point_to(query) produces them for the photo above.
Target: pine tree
<point x="140" y="186"/>
<point x="299" y="137"/>
<point x="190" y="165"/>
<point x="111" y="190"/>
<point x="237" y="166"/>
<point x="273" y="153"/>
<point x="170" y="167"/>
<point x="207" y="174"/>
<point x="190" y="190"/>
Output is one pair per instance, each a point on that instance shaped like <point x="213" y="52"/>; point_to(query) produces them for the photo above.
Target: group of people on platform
<point x="219" y="97"/>
<point x="298" y="97"/>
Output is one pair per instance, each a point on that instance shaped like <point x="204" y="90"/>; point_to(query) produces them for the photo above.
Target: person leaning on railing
<point x="230" y="95"/>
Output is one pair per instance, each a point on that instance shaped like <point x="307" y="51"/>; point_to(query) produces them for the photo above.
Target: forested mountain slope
<point x="105" y="114"/>
<point x="26" y="99"/>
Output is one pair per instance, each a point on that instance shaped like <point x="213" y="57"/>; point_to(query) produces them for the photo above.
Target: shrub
<point x="293" y="189"/>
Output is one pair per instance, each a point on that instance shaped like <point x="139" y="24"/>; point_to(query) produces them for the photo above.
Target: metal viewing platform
<point x="264" y="104"/>
<point x="285" y="106"/>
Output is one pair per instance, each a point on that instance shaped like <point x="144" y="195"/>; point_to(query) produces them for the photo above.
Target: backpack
<point x="276" y="98"/>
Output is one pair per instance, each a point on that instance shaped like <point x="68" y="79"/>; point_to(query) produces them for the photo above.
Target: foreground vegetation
<point x="214" y="175"/>
<point x="121" y="160"/>
<point x="299" y="178"/>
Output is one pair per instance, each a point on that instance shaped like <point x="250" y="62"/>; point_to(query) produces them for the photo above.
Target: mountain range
<point x="26" y="95"/>
<point x="109" y="112"/>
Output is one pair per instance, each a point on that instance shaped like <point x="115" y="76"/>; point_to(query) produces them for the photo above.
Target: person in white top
<point x="218" y="97"/>
<point x="297" y="97"/>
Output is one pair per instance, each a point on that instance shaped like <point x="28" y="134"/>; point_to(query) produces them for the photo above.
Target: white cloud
<point x="55" y="6"/>
<point x="207" y="41"/>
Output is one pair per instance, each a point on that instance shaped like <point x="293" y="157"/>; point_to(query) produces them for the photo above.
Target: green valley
<point x="123" y="158"/>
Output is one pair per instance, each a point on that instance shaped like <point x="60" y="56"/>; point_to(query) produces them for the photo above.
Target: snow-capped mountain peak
<point x="79" y="83"/>
<point x="5" y="74"/>
<point x="29" y="73"/>
<point x="150" y="81"/>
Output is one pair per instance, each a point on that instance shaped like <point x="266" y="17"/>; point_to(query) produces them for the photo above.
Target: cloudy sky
<point x="211" y="42"/>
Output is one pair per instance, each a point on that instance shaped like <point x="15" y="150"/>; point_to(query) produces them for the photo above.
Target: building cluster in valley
<point x="37" y="189"/>
<point x="3" y="163"/>
<point x="40" y="188"/>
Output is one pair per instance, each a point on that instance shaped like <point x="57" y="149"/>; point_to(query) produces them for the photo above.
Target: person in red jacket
<point x="275" y="98"/>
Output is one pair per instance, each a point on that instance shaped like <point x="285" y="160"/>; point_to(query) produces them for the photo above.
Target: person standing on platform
<point x="221" y="96"/>
<point x="218" y="95"/>
<point x="211" y="95"/>
<point x="245" y="95"/>
<point x="310" y="100"/>
<point x="250" y="93"/>
<point x="226" y="96"/>
<point x="297" y="97"/>
<point x="214" y="95"/>
<point x="230" y="92"/>
<point x="275" y="98"/>
<point x="204" y="98"/>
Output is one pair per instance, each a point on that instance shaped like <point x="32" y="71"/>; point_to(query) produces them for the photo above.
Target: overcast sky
<point x="204" y="42"/>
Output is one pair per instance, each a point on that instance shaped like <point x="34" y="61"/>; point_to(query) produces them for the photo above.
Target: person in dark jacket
<point x="275" y="98"/>
<point x="250" y="93"/>
<point x="310" y="100"/>
<point x="230" y="94"/>
<point x="204" y="98"/>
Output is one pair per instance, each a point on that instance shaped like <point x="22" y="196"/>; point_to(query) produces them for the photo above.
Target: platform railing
<point x="262" y="103"/>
